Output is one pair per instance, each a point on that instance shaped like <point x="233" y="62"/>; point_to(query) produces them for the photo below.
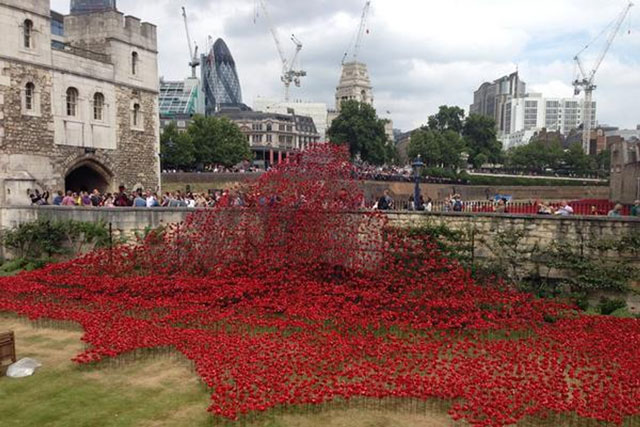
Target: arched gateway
<point x="88" y="176"/>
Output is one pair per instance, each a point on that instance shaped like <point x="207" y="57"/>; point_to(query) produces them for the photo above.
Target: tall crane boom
<point x="193" y="55"/>
<point x="289" y="75"/>
<point x="585" y="80"/>
<point x="360" y="34"/>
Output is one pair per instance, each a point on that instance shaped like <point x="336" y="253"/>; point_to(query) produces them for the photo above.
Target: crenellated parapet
<point x="110" y="25"/>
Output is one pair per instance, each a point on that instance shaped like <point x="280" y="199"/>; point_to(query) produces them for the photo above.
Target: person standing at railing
<point x="616" y="212"/>
<point x="545" y="209"/>
<point x="564" y="209"/>
<point x="635" y="209"/>
<point x="385" y="202"/>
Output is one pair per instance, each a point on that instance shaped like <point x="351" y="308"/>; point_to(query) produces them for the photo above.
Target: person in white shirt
<point x="564" y="209"/>
<point x="151" y="200"/>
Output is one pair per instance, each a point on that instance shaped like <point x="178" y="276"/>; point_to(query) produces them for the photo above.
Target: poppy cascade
<point x="297" y="298"/>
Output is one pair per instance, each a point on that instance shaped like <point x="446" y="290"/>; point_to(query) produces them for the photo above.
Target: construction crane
<point x="289" y="74"/>
<point x="585" y="80"/>
<point x="193" y="54"/>
<point x="359" y="35"/>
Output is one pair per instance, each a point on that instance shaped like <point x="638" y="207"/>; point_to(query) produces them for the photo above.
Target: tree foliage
<point x="208" y="141"/>
<point x="217" y="140"/>
<point x="577" y="160"/>
<point x="447" y="118"/>
<point x="538" y="155"/>
<point x="176" y="149"/>
<point x="437" y="148"/>
<point x="480" y="137"/>
<point x="545" y="151"/>
<point x="359" y="127"/>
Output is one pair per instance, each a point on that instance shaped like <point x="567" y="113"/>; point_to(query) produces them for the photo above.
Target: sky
<point x="420" y="53"/>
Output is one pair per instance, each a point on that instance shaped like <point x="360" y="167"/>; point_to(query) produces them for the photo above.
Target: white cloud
<point x="421" y="53"/>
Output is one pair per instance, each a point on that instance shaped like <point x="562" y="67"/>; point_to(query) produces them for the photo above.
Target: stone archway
<point x="88" y="176"/>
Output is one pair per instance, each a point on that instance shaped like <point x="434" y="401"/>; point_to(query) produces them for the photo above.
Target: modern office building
<point x="491" y="98"/>
<point x="524" y="116"/>
<point x="316" y="110"/>
<point x="179" y="101"/>
<point x="220" y="82"/>
<point x="78" y="100"/>
<point x="272" y="136"/>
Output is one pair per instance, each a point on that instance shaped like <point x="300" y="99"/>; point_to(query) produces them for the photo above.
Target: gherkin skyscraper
<point x="220" y="82"/>
<point x="89" y="6"/>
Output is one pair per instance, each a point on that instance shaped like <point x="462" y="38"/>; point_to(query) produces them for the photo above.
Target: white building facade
<point x="316" y="110"/>
<point x="527" y="115"/>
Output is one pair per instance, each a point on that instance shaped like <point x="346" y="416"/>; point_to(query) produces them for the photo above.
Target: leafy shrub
<point x="45" y="238"/>
<point x="609" y="306"/>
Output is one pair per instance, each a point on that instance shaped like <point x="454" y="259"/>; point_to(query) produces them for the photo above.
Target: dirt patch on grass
<point x="50" y="346"/>
<point x="366" y="418"/>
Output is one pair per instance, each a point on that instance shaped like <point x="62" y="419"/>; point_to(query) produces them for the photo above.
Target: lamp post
<point x="417" y="173"/>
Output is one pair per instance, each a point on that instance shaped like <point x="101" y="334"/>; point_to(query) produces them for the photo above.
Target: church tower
<point x="354" y="84"/>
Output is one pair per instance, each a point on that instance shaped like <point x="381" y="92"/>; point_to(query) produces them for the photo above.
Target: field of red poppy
<point x="285" y="300"/>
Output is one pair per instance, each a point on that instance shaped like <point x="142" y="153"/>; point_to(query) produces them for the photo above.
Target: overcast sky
<point x="421" y="53"/>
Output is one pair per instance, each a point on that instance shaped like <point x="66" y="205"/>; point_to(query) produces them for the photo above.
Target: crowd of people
<point x="123" y="198"/>
<point x="188" y="199"/>
<point x="397" y="174"/>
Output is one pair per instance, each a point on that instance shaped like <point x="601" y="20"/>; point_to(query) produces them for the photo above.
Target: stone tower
<point x="78" y="100"/>
<point x="354" y="84"/>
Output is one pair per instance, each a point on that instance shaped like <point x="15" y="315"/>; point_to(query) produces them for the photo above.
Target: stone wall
<point x="539" y="231"/>
<point x="401" y="190"/>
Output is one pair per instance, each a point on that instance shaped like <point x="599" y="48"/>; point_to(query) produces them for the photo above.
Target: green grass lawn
<point x="154" y="391"/>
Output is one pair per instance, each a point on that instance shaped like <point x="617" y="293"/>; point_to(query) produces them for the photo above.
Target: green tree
<point x="480" y="160"/>
<point x="447" y="118"/>
<point x="217" y="140"/>
<point x="480" y="136"/>
<point x="176" y="149"/>
<point x="437" y="148"/>
<point x="577" y="160"/>
<point x="537" y="155"/>
<point x="359" y="127"/>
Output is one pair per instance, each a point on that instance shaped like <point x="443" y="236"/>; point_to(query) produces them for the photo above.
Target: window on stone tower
<point x="134" y="63"/>
<point x="72" y="102"/>
<point x="28" y="34"/>
<point x="29" y="93"/>
<point x="136" y="115"/>
<point x="98" y="106"/>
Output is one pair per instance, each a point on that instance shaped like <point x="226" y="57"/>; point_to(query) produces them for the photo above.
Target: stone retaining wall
<point x="539" y="230"/>
<point x="202" y="182"/>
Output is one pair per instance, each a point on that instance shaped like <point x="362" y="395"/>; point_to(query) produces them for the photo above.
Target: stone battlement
<point x="111" y="25"/>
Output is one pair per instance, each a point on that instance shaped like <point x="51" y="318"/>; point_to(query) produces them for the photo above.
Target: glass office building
<point x="220" y="82"/>
<point x="89" y="6"/>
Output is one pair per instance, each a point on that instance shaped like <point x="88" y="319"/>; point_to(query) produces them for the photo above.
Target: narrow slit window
<point x="28" y="34"/>
<point x="136" y="115"/>
<point x="134" y="63"/>
<point x="29" y="93"/>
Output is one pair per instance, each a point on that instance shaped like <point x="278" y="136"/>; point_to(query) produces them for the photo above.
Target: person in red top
<point x="122" y="199"/>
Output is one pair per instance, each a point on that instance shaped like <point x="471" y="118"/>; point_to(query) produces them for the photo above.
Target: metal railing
<point x="581" y="207"/>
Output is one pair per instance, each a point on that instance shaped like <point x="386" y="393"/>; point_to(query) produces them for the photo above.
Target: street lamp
<point x="417" y="173"/>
